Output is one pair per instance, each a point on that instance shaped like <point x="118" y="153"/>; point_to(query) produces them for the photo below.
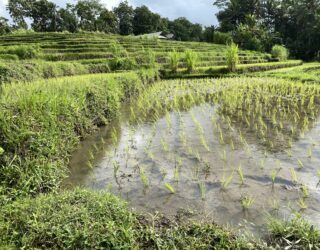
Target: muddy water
<point x="137" y="161"/>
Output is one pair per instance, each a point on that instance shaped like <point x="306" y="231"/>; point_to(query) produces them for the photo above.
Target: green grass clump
<point x="76" y="219"/>
<point x="232" y="57"/>
<point x="22" y="51"/>
<point x="174" y="58"/>
<point x="191" y="60"/>
<point x="294" y="234"/>
<point x="280" y="52"/>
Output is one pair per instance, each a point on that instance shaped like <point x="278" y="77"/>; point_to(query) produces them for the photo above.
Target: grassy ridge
<point x="309" y="72"/>
<point x="41" y="122"/>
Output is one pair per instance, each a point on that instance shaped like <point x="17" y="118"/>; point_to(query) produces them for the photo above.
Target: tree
<point x="88" y="12"/>
<point x="67" y="19"/>
<point x="107" y="22"/>
<point x="252" y="35"/>
<point x="125" y="13"/>
<point x="184" y="30"/>
<point x="234" y="12"/>
<point x="4" y="29"/>
<point x="145" y="21"/>
<point x="19" y="10"/>
<point x="44" y="15"/>
<point x="208" y="34"/>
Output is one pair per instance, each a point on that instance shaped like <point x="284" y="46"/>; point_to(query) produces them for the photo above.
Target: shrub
<point x="122" y="64"/>
<point x="280" y="52"/>
<point x="22" y="51"/>
<point x="232" y="57"/>
<point x="191" y="60"/>
<point x="117" y="50"/>
<point x="174" y="58"/>
<point x="222" y="38"/>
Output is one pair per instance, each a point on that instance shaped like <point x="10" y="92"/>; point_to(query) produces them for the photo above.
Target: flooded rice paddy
<point x="233" y="150"/>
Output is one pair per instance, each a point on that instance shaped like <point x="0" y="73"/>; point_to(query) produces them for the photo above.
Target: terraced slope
<point x="96" y="48"/>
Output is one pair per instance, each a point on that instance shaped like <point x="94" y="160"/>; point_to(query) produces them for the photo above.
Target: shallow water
<point x="136" y="161"/>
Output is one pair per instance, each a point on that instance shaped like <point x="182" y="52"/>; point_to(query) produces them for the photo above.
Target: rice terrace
<point x="121" y="128"/>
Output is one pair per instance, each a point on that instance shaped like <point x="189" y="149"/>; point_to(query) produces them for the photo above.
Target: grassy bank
<point x="220" y="71"/>
<point x="42" y="122"/>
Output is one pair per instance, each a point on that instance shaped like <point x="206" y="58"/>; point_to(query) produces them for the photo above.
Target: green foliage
<point x="191" y="59"/>
<point x="232" y="57"/>
<point x="174" y="58"/>
<point x="125" y="63"/>
<point x="76" y="219"/>
<point x="280" y="52"/>
<point x="22" y="51"/>
<point x="222" y="38"/>
<point x="294" y="234"/>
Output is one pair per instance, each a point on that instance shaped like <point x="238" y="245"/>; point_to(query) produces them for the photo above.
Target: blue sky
<point x="198" y="11"/>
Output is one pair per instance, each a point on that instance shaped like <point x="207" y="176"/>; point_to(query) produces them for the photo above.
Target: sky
<point x="197" y="11"/>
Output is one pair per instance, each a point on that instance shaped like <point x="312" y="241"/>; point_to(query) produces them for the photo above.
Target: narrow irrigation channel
<point x="232" y="150"/>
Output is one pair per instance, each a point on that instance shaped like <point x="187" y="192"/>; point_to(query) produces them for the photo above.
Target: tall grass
<point x="232" y="57"/>
<point x="174" y="58"/>
<point x="191" y="58"/>
<point x="42" y="122"/>
<point x="280" y="52"/>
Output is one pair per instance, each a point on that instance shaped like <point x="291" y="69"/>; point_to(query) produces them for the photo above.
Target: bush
<point x="174" y="58"/>
<point x="122" y="64"/>
<point x="222" y="38"/>
<point x="280" y="52"/>
<point x="232" y="57"/>
<point x="22" y="51"/>
<point x="76" y="219"/>
<point x="191" y="60"/>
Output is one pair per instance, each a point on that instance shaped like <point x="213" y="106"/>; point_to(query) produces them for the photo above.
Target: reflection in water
<point x="234" y="164"/>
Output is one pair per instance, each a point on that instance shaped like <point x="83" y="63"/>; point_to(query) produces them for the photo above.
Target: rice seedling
<point x="170" y="188"/>
<point x="164" y="144"/>
<point x="247" y="201"/>
<point x="116" y="167"/>
<point x="143" y="177"/>
<point x="300" y="163"/>
<point x="202" y="187"/>
<point x="302" y="204"/>
<point x="293" y="174"/>
<point x="305" y="191"/>
<point x="226" y="181"/>
<point x="204" y="142"/>
<point x="274" y="203"/>
<point x="241" y="175"/>
<point x="273" y="175"/>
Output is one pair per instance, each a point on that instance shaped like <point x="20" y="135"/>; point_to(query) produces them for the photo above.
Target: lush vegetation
<point x="42" y="121"/>
<point x="261" y="24"/>
<point x="54" y="55"/>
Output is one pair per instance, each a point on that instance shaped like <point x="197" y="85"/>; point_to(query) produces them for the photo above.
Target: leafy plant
<point x="191" y="60"/>
<point x="169" y="187"/>
<point x="280" y="52"/>
<point x="232" y="57"/>
<point x="174" y="58"/>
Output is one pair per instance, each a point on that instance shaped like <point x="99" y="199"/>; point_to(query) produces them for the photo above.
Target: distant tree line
<point x="92" y="15"/>
<point x="259" y="24"/>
